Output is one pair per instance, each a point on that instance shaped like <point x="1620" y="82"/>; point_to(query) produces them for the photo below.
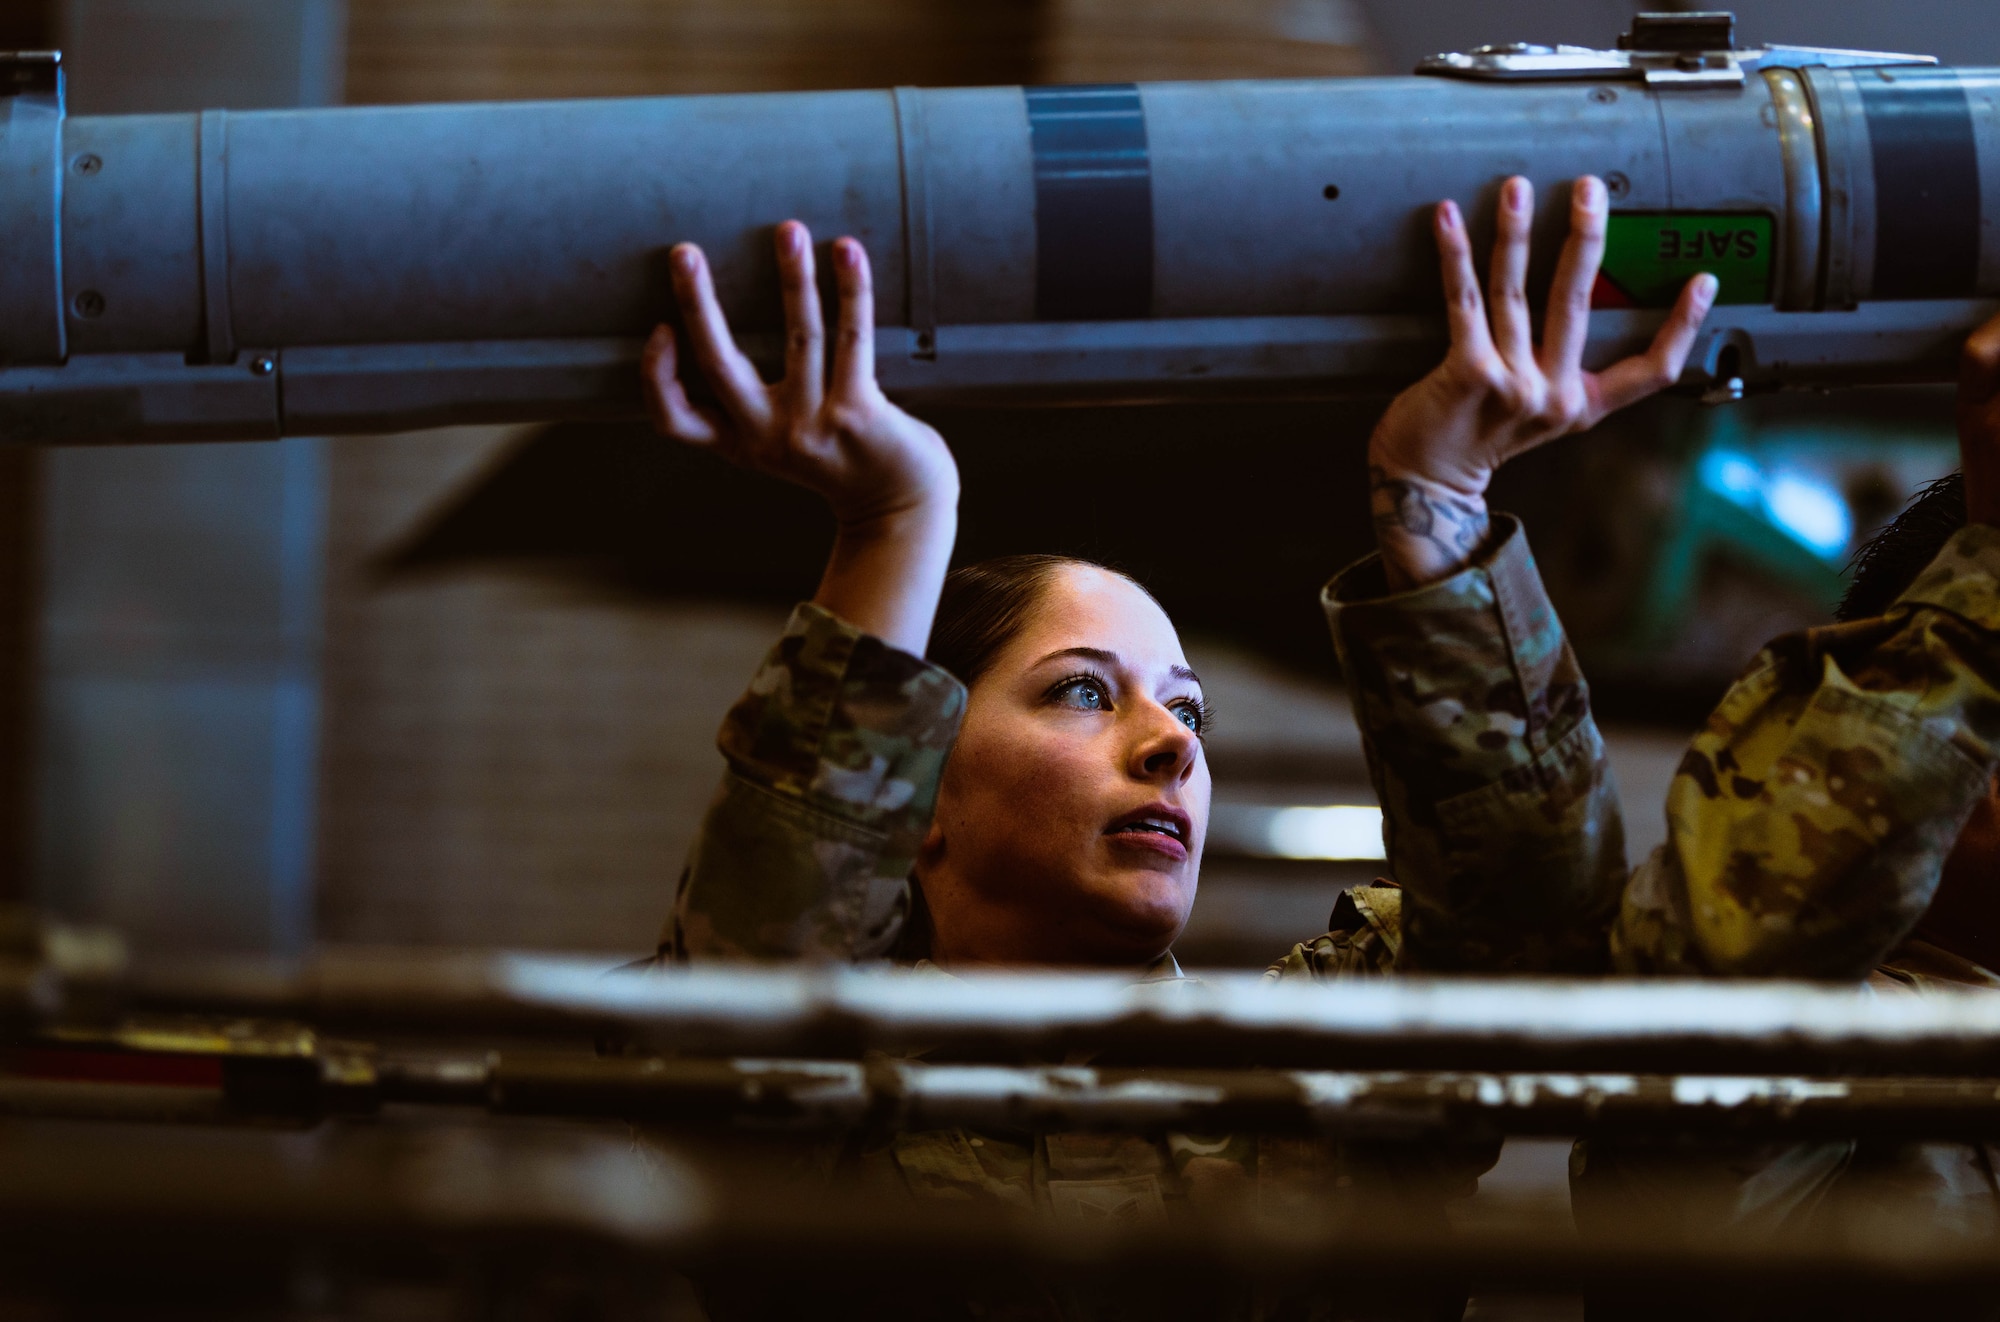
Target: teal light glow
<point x="1801" y="504"/>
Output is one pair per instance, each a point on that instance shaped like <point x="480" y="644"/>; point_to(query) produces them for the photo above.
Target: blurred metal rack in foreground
<point x="831" y="1048"/>
<point x="250" y="1074"/>
<point x="466" y="1139"/>
<point x="1630" y="1026"/>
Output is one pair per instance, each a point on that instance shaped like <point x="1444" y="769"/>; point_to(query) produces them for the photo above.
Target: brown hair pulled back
<point x="985" y="606"/>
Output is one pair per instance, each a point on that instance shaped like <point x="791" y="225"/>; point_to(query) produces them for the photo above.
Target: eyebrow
<point x="1105" y="658"/>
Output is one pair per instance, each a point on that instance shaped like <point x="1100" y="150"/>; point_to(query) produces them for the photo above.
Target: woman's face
<point x="1072" y="812"/>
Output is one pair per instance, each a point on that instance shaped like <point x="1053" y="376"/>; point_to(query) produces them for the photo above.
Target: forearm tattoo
<point x="1452" y="528"/>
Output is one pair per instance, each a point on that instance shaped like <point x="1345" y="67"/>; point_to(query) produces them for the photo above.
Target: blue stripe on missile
<point x="1093" y="203"/>
<point x="1926" y="182"/>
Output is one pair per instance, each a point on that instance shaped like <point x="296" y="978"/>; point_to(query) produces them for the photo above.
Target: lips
<point x="1158" y="826"/>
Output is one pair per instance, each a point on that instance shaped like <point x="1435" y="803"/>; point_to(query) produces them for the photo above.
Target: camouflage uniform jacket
<point x="834" y="757"/>
<point x="1807" y="823"/>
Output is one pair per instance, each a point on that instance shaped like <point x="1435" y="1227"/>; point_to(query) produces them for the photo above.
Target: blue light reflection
<point x="1802" y="504"/>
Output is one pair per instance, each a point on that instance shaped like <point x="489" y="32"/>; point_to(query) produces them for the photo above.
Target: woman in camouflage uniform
<point x="1040" y="779"/>
<point x="1035" y="792"/>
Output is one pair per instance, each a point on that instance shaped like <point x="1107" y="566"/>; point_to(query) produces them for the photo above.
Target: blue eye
<point x="1084" y="694"/>
<point x="1190" y="716"/>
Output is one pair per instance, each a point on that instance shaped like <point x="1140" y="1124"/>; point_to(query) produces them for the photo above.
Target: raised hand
<point x="889" y="478"/>
<point x="1498" y="394"/>
<point x="840" y="437"/>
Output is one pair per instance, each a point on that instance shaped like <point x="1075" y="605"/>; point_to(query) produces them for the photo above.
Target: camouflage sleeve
<point x="1499" y="811"/>
<point x="834" y="755"/>
<point x="1809" y="819"/>
<point x="1363" y="936"/>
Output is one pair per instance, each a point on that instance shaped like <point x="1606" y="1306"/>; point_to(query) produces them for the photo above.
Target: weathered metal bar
<point x="236" y="1073"/>
<point x="1658" y="1026"/>
<point x="260" y="273"/>
<point x="900" y="1095"/>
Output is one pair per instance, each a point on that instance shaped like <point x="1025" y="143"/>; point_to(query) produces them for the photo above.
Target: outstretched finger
<point x="854" y="349"/>
<point x="673" y="413"/>
<point x="735" y="381"/>
<point x="1628" y="382"/>
<point x="1568" y="325"/>
<point x="805" y="328"/>
<point x="1507" y="294"/>
<point x="1464" y="308"/>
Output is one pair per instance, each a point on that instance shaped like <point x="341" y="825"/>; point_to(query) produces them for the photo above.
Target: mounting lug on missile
<point x="1694" y="50"/>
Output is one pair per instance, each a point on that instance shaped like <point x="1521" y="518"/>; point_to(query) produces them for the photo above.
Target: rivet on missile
<point x="1616" y="184"/>
<point x="1331" y="192"/>
<point x="1603" y="96"/>
<point x="263" y="365"/>
<point x="88" y="303"/>
<point x="87" y="163"/>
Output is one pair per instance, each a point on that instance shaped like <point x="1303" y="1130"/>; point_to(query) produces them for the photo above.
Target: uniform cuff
<point x="1494" y="613"/>
<point x="1470" y="675"/>
<point x="1363" y="583"/>
<point x="847" y="722"/>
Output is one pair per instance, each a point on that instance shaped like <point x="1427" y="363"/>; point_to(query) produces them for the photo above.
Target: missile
<point x="224" y="274"/>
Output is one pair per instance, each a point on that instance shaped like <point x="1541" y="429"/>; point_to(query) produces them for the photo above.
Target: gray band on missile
<point x="1926" y="182"/>
<point x="1093" y="203"/>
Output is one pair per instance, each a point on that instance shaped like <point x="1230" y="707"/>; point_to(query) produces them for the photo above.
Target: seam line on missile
<point x="920" y="263"/>
<point x="218" y="332"/>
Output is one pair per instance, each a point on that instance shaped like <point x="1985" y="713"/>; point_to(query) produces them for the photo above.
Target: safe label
<point x="1650" y="256"/>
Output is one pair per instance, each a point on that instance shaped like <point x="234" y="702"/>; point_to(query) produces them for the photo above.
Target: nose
<point x="1166" y="749"/>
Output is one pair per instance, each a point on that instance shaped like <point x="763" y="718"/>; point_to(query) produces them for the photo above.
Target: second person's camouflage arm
<point x="834" y="757"/>
<point x="1499" y="810"/>
<point x="1809" y="820"/>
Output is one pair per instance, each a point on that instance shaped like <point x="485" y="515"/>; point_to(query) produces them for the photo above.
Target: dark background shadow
<point x="1233" y="514"/>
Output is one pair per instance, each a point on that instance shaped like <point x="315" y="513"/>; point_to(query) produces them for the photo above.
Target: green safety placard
<point x="1649" y="256"/>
